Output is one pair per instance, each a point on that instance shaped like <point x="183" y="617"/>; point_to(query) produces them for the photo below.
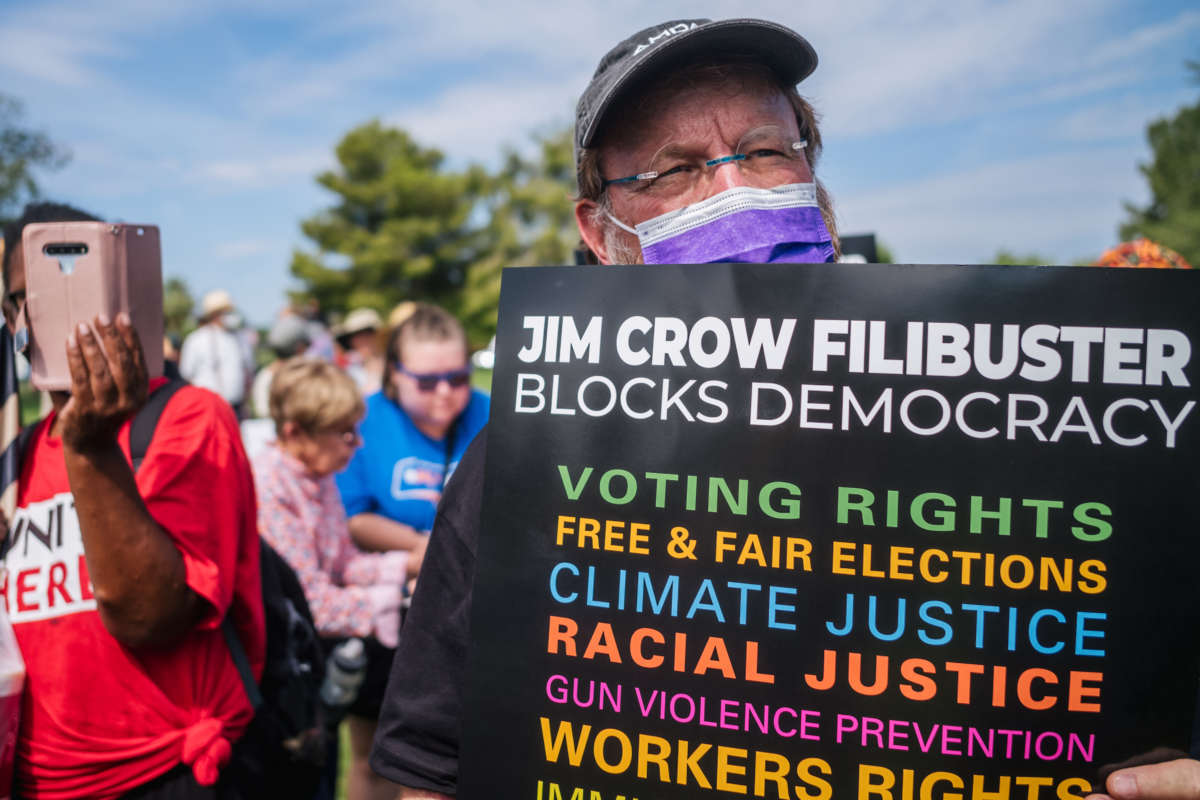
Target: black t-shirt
<point x="416" y="743"/>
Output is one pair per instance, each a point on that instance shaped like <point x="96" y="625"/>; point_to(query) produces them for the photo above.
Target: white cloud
<point x="247" y="248"/>
<point x="52" y="56"/>
<point x="475" y="121"/>
<point x="61" y="42"/>
<point x="884" y="67"/>
<point x="1118" y="118"/>
<point x="943" y="62"/>
<point x="1132" y="44"/>
<point x="1064" y="206"/>
<point x="267" y="170"/>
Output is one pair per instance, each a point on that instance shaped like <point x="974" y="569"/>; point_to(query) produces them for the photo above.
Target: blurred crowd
<point x="352" y="430"/>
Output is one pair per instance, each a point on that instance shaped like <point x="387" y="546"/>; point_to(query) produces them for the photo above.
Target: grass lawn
<point x="343" y="760"/>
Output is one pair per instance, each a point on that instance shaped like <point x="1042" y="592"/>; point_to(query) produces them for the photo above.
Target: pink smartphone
<point x="77" y="270"/>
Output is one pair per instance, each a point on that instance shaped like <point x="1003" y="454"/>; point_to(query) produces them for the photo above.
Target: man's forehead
<point x="698" y="116"/>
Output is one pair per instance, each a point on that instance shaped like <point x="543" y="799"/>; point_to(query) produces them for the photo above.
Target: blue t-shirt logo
<point x="417" y="479"/>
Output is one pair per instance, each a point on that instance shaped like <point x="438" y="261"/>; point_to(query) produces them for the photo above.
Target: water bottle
<point x="344" y="672"/>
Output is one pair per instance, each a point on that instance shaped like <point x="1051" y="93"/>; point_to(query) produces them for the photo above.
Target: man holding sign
<point x="692" y="146"/>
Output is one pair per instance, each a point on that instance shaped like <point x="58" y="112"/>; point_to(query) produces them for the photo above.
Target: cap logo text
<point x="682" y="27"/>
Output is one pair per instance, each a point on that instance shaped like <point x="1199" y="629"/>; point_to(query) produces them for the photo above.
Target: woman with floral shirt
<point x="316" y="409"/>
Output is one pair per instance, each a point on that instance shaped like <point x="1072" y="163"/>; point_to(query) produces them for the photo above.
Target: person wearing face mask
<point x="692" y="145"/>
<point x="131" y="690"/>
<point x="211" y="356"/>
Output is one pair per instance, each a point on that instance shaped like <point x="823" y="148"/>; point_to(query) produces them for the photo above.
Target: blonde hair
<point x="314" y="394"/>
<point x="402" y="311"/>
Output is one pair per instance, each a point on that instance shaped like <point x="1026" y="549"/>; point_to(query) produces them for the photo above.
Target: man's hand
<point x="1170" y="780"/>
<point x="108" y="383"/>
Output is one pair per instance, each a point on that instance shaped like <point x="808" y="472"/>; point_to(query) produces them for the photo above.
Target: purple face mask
<point x="744" y="224"/>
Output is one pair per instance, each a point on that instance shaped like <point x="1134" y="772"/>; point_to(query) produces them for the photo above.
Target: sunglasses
<point x="428" y="381"/>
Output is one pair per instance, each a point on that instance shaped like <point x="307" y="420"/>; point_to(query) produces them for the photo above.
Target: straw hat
<point x="214" y="303"/>
<point x="360" y="319"/>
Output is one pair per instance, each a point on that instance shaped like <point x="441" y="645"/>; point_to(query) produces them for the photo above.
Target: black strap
<point x="141" y="430"/>
<point x="22" y="444"/>
<point x="241" y="661"/>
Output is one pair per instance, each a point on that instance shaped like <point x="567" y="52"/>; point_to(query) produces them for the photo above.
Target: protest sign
<point x="821" y="531"/>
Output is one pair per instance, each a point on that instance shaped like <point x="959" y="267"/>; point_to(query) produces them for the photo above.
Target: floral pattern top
<point x="301" y="516"/>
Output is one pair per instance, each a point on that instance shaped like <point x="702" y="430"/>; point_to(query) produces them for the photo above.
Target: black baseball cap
<point x="658" y="47"/>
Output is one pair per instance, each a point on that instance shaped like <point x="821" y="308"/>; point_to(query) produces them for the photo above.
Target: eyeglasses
<point x="428" y="381"/>
<point x="767" y="156"/>
<point x="349" y="435"/>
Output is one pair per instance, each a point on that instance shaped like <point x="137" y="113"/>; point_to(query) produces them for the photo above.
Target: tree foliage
<point x="405" y="226"/>
<point x="1172" y="217"/>
<point x="1012" y="258"/>
<point x="1008" y="257"/>
<point x="21" y="150"/>
<point x="177" y="308"/>
<point x="884" y="254"/>
<point x="531" y="220"/>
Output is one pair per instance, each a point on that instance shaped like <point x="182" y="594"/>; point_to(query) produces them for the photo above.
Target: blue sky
<point x="951" y="128"/>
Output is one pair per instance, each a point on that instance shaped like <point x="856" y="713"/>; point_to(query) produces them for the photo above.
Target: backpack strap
<point x="141" y="430"/>
<point x="21" y="445"/>
<point x="241" y="661"/>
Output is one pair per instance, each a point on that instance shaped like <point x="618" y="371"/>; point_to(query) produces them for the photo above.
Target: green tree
<point x="177" y="308"/>
<point x="884" y="253"/>
<point x="21" y="150"/>
<point x="531" y="220"/>
<point x="402" y="226"/>
<point x="1172" y="217"/>
<point x="406" y="227"/>
<point x="1010" y="257"/>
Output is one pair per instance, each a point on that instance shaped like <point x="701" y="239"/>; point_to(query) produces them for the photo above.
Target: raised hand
<point x="108" y="382"/>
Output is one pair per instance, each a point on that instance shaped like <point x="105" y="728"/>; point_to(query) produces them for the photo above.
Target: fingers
<point x="81" y="384"/>
<point x="132" y="344"/>
<point x="108" y="381"/>
<point x="1171" y="780"/>
<point x="103" y="388"/>
<point x="125" y="359"/>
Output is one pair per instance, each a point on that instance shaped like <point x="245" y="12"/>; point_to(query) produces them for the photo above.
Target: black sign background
<point x="1151" y="670"/>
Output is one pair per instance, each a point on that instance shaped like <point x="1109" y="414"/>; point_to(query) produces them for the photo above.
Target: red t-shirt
<point x="99" y="719"/>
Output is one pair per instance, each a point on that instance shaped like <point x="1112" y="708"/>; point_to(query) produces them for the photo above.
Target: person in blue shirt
<point x="414" y="433"/>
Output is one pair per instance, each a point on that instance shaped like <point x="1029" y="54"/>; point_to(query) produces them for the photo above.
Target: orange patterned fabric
<point x="1142" y="253"/>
